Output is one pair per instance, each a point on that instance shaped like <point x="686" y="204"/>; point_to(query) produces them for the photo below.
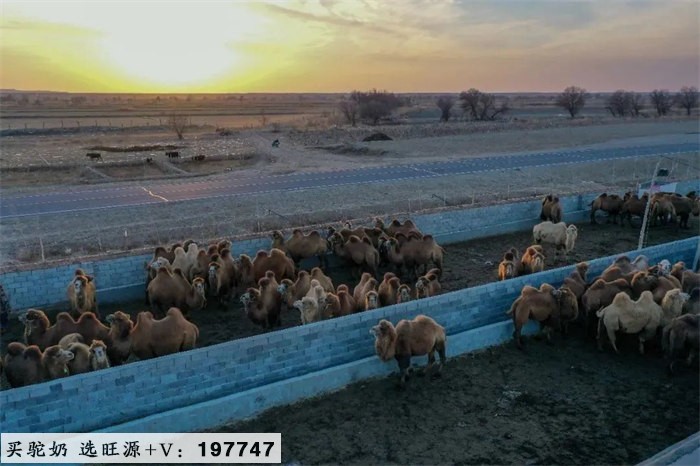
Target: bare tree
<point x="349" y="109"/>
<point x="177" y="123"/>
<point x="618" y="103"/>
<point x="445" y="104"/>
<point x="573" y="99"/>
<point x="687" y="98"/>
<point x="482" y="106"/>
<point x="662" y="101"/>
<point x="375" y="105"/>
<point x="636" y="102"/>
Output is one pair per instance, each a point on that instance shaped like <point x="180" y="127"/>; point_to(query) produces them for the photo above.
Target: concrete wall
<point x="123" y="279"/>
<point x="138" y="391"/>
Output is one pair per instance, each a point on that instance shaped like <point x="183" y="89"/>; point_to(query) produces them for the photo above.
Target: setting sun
<point x="337" y="46"/>
<point x="179" y="54"/>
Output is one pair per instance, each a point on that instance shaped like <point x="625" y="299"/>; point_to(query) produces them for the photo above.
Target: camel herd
<point x="664" y="208"/>
<point x="629" y="297"/>
<point x="180" y="280"/>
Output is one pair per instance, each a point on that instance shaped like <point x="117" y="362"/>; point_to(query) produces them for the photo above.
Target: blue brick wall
<point x="123" y="278"/>
<point x="146" y="388"/>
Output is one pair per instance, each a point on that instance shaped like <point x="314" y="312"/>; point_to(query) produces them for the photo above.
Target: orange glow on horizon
<point x="340" y="45"/>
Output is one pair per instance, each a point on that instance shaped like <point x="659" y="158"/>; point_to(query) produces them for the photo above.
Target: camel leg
<point x="593" y="222"/>
<point x="548" y="334"/>
<point x="431" y="361"/>
<point x="611" y="337"/>
<point x="599" y="336"/>
<point x="404" y="363"/>
<point x="518" y="337"/>
<point x="691" y="357"/>
<point x="443" y="359"/>
<point x="641" y="345"/>
<point x="670" y="368"/>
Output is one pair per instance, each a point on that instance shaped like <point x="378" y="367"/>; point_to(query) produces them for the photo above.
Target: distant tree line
<point x="373" y="106"/>
<point x="626" y="103"/>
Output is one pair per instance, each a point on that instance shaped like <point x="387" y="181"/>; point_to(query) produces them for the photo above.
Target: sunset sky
<point x="337" y="46"/>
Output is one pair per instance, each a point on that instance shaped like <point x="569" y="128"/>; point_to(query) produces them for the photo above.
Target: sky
<point x="341" y="45"/>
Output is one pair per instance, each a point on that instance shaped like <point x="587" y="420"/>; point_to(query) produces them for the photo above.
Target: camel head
<point x="510" y="269"/>
<point x="35" y="321"/>
<point x="98" y="355"/>
<point x="404" y="294"/>
<point x="371" y="300"/>
<point x="664" y="268"/>
<point x="379" y="223"/>
<point x="158" y="263"/>
<point x="55" y="356"/>
<point x="277" y="238"/>
<point x="568" y="304"/>
<point x="382" y="329"/>
<point x="199" y="289"/>
<point x="120" y="324"/>
<point x="250" y="298"/>
<point x="282" y="287"/>
<point x="307" y="308"/>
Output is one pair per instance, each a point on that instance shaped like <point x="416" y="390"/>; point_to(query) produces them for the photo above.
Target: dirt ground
<point x="466" y="264"/>
<point x="560" y="404"/>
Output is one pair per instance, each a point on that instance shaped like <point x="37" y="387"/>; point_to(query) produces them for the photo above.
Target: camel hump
<point x="315" y="234"/>
<point x="263" y="282"/>
<point x="395" y="223"/>
<point x="16" y="348"/>
<point x="79" y="273"/>
<point x="509" y="256"/>
<point x="366" y="240"/>
<point x="214" y="258"/>
<point x="353" y="239"/>
<point x="261" y="253"/>
<point x="174" y="312"/>
<point x="226" y="252"/>
<point x="64" y="316"/>
<point x="555" y="200"/>
<point x="598" y="284"/>
<point x="604" y="195"/>
<point x="297" y="232"/>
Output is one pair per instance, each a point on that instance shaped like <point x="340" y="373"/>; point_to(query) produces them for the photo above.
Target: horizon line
<point x="35" y="91"/>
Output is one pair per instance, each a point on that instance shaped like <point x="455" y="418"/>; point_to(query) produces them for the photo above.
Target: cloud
<point x="20" y="25"/>
<point x="333" y="19"/>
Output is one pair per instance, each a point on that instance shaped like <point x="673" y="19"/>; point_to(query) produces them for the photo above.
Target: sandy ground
<point x="33" y="163"/>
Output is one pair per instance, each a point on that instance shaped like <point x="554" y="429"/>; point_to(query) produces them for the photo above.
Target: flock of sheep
<point x="182" y="278"/>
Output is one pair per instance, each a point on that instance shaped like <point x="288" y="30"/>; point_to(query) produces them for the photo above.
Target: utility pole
<point x="643" y="231"/>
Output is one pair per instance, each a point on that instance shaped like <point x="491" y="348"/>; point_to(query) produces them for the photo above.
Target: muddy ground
<point x="466" y="264"/>
<point x="560" y="404"/>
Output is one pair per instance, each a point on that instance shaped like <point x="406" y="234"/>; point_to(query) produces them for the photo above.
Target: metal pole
<point x="642" y="233"/>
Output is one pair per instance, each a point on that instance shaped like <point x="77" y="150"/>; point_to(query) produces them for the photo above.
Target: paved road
<point x="77" y="199"/>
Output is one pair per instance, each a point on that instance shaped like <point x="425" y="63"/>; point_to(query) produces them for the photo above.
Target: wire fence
<point x="57" y="237"/>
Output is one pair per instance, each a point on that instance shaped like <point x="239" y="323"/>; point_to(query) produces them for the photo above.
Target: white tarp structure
<point x="668" y="187"/>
